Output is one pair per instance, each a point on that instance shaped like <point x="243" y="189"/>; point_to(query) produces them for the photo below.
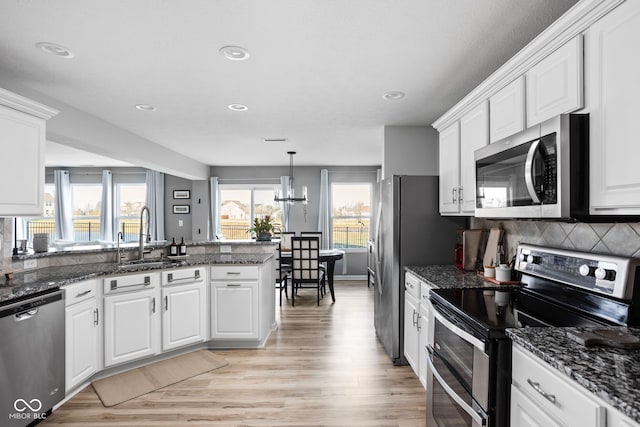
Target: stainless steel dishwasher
<point x="31" y="358"/>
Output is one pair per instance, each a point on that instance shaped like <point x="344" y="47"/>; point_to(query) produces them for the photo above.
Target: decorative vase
<point x="263" y="237"/>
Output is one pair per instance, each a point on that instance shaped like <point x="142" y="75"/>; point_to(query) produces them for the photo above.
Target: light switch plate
<point x="30" y="263"/>
<point x="180" y="223"/>
<point x="225" y="249"/>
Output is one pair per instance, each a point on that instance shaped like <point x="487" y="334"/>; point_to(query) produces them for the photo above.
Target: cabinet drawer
<point x="230" y="272"/>
<point x="80" y="291"/>
<point x="130" y="282"/>
<point x="554" y="395"/>
<point x="183" y="275"/>
<point x="412" y="285"/>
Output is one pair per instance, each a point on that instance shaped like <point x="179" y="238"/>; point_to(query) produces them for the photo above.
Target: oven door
<point x="457" y="377"/>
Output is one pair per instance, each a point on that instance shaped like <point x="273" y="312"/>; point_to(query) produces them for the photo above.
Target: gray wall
<point x="172" y="227"/>
<point x="410" y="150"/>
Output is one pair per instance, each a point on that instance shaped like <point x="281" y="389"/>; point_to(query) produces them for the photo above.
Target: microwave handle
<point x="528" y="172"/>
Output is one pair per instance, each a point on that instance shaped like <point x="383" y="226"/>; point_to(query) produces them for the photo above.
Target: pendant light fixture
<point x="290" y="196"/>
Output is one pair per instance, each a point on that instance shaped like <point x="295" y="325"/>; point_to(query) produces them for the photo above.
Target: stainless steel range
<point x="469" y="370"/>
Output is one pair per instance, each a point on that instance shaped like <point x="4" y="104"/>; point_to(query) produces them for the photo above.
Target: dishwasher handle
<point x="26" y="315"/>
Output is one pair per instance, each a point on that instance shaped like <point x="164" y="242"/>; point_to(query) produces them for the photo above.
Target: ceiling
<point x="316" y="73"/>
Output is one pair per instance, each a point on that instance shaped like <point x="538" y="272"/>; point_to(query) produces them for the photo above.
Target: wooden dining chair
<point x="317" y="234"/>
<point x="305" y="266"/>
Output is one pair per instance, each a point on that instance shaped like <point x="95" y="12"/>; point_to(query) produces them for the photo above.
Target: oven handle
<point x="528" y="172"/>
<point x="459" y="331"/>
<point x="477" y="417"/>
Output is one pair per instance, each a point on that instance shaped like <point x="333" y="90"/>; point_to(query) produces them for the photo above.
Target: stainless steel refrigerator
<point x="409" y="231"/>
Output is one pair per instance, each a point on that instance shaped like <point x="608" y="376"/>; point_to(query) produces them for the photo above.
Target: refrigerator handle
<point x="377" y="249"/>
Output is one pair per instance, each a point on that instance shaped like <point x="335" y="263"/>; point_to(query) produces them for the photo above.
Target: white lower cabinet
<point x="132" y="320"/>
<point x="184" y="307"/>
<point x="184" y="318"/>
<point x="82" y="333"/>
<point x="234" y="310"/>
<point x="541" y="397"/>
<point x="417" y="324"/>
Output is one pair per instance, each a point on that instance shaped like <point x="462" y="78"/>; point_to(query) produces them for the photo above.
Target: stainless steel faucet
<point x="120" y="237"/>
<point x="144" y="236"/>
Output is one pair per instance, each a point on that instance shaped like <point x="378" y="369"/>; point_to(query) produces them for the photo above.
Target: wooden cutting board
<point x="495" y="235"/>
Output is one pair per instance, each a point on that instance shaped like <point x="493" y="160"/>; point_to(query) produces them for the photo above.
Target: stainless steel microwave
<point x="541" y="172"/>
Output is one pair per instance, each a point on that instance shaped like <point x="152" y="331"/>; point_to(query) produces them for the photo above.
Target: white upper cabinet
<point x="474" y="134"/>
<point x="613" y="90"/>
<point x="554" y="85"/>
<point x="507" y="110"/>
<point x="22" y="132"/>
<point x="449" y="164"/>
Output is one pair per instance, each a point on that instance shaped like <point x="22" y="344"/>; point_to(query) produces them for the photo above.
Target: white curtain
<point x="63" y="206"/>
<point x="286" y="207"/>
<point x="323" y="208"/>
<point x="155" y="203"/>
<point x="107" y="226"/>
<point x="214" y="208"/>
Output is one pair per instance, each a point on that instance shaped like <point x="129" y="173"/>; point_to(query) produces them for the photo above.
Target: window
<point x="129" y="200"/>
<point x="86" y="211"/>
<point x="239" y="205"/>
<point x="45" y="224"/>
<point x="350" y="214"/>
<point x="86" y="192"/>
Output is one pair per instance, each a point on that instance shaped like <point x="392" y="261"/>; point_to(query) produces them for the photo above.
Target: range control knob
<point x="522" y="257"/>
<point x="604" y="274"/>
<point x="531" y="259"/>
<point x="586" y="270"/>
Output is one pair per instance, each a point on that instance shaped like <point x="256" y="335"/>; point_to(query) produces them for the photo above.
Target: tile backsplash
<point x="610" y="238"/>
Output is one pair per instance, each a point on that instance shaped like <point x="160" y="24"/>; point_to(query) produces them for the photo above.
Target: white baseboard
<point x="350" y="277"/>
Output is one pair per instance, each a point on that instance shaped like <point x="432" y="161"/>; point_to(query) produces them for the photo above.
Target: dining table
<point x="329" y="257"/>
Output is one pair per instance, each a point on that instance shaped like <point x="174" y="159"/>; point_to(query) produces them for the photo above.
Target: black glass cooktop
<point x="490" y="311"/>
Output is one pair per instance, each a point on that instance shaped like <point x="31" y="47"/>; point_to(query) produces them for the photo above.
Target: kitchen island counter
<point x="31" y="282"/>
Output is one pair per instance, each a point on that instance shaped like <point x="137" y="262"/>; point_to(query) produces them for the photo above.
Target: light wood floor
<point x="322" y="367"/>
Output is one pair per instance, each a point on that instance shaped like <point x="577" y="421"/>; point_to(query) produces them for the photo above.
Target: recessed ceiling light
<point x="55" y="49"/>
<point x="146" y="107"/>
<point x="237" y="107"/>
<point x="234" y="53"/>
<point x="393" y="95"/>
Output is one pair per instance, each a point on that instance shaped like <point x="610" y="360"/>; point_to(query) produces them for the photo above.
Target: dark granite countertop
<point x="612" y="374"/>
<point x="448" y="276"/>
<point x="31" y="282"/>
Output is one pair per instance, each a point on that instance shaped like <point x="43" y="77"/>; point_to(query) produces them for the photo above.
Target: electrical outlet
<point x="225" y="249"/>
<point x="30" y="263"/>
<point x="180" y="223"/>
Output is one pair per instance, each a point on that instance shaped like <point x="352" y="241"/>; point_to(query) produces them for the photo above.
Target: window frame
<point x="245" y="187"/>
<point x="339" y="182"/>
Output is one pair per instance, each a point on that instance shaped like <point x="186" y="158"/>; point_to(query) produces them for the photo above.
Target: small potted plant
<point x="263" y="228"/>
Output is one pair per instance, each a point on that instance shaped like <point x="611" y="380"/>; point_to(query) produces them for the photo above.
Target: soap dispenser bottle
<point x="173" y="248"/>
<point x="183" y="247"/>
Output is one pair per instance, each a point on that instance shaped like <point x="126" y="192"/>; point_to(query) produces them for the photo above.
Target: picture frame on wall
<point x="181" y="209"/>
<point x="181" y="194"/>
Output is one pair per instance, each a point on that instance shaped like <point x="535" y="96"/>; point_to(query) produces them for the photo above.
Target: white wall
<point x="410" y="150"/>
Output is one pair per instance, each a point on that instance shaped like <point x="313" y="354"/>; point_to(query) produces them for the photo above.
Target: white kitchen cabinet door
<point x="131" y="326"/>
<point x="423" y="339"/>
<point x="613" y="89"/>
<point x="525" y="413"/>
<point x="411" y="335"/>
<point x="82" y="334"/>
<point x="554" y="85"/>
<point x="506" y="111"/>
<point x="449" y="169"/>
<point x="235" y="311"/>
<point x="22" y="172"/>
<point x="183" y="315"/>
<point x="474" y="134"/>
